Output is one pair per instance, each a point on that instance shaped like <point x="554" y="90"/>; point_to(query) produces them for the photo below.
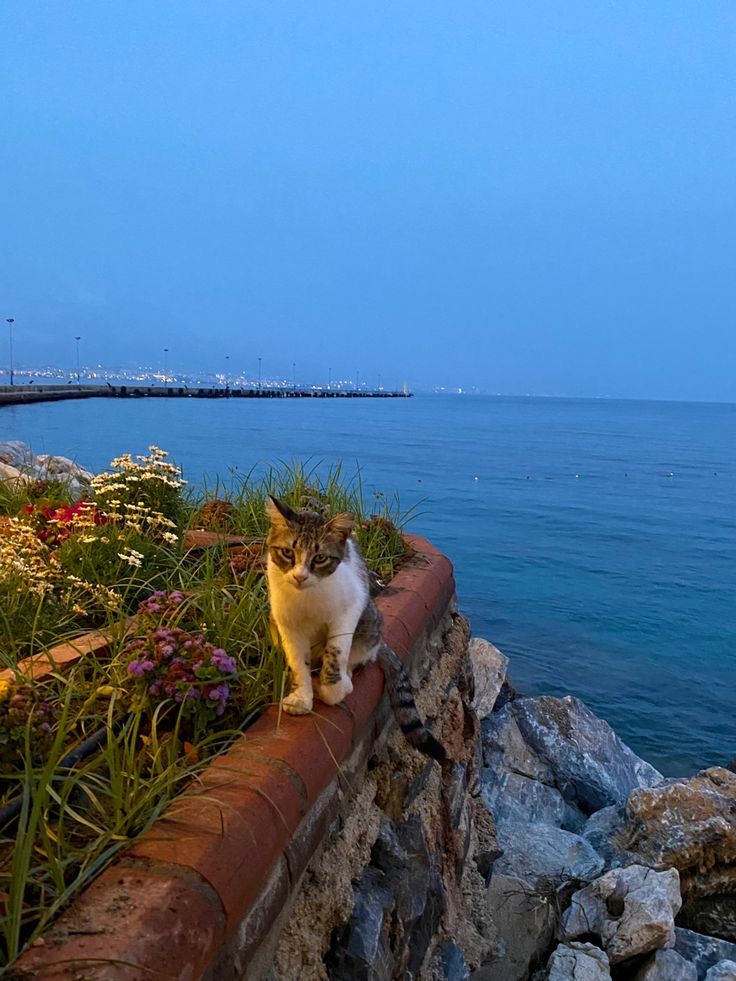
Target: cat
<point x="323" y="614"/>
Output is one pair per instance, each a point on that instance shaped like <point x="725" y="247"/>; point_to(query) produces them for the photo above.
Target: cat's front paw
<point x="297" y="703"/>
<point x="332" y="694"/>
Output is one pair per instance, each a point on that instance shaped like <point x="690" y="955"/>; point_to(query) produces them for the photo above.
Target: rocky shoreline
<point x="608" y="869"/>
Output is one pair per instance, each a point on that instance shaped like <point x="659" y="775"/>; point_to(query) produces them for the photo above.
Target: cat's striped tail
<point x="402" y="702"/>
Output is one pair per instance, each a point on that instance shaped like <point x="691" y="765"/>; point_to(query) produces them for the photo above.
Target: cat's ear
<point x="341" y="525"/>
<point x="278" y="512"/>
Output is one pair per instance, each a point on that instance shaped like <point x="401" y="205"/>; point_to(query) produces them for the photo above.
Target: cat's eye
<point x="320" y="559"/>
<point x="288" y="553"/>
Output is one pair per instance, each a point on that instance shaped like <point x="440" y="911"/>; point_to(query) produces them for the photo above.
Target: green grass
<point x="73" y="823"/>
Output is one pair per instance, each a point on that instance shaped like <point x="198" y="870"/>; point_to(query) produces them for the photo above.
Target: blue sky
<point x="525" y="197"/>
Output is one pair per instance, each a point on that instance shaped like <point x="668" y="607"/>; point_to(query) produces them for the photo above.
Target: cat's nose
<point x="300" y="575"/>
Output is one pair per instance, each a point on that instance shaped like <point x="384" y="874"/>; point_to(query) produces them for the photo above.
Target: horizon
<point x="521" y="198"/>
<point x="176" y="375"/>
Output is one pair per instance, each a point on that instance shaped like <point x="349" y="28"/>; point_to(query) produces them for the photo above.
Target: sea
<point x="594" y="541"/>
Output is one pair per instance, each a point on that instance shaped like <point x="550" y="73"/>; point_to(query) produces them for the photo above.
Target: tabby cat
<point x="324" y="616"/>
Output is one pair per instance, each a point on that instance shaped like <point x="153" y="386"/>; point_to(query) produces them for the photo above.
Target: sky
<point x="522" y="197"/>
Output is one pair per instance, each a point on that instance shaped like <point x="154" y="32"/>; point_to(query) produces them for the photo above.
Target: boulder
<point x="56" y="466"/>
<point x="592" y="767"/>
<point x="667" y="965"/>
<point x="704" y="952"/>
<point x="489" y="672"/>
<point x="601" y="830"/>
<point x="722" y="971"/>
<point x="525" y="920"/>
<point x="583" y="962"/>
<point x="689" y="825"/>
<point x="543" y="856"/>
<point x="632" y="910"/>
<point x="12" y="474"/>
<point x="16" y="453"/>
<point x="504" y="749"/>
<point x="715" y="915"/>
<point x="516" y="798"/>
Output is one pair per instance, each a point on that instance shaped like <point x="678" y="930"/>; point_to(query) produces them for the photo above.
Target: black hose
<point x="12" y="809"/>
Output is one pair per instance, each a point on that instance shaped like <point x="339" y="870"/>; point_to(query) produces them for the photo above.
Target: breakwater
<point x="20" y="394"/>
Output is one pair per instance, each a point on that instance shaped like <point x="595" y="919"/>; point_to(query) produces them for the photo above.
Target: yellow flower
<point x="5" y="689"/>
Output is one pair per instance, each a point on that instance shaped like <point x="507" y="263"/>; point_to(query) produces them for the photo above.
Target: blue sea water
<point x="593" y="540"/>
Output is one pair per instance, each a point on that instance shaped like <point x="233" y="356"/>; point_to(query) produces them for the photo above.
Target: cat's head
<point x="303" y="546"/>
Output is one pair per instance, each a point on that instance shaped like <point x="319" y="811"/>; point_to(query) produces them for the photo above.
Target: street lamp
<point x="227" y="372"/>
<point x="293" y="372"/>
<point x="77" y="339"/>
<point x="259" y="374"/>
<point x="329" y="379"/>
<point x="10" y="322"/>
<point x="166" y="373"/>
<point x="379" y="383"/>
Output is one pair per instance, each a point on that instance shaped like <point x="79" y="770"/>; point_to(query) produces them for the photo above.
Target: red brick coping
<point x="170" y="903"/>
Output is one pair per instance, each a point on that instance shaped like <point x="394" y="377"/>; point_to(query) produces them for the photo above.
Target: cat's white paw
<point x="332" y="694"/>
<point x="297" y="703"/>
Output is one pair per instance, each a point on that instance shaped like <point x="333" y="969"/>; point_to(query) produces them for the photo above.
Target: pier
<point x="21" y="394"/>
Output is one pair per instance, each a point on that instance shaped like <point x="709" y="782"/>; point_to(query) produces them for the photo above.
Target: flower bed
<point x="163" y="692"/>
<point x="201" y="890"/>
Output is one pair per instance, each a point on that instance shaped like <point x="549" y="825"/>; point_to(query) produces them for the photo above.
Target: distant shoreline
<point x="23" y="394"/>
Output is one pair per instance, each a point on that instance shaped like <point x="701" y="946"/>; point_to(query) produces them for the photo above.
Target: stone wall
<point x="396" y="888"/>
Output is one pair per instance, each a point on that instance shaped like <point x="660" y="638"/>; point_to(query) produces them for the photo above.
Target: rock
<point x="704" y="952"/>
<point x="600" y="831"/>
<point x="525" y="920"/>
<point x="362" y="952"/>
<point x="15" y="453"/>
<point x="715" y="915"/>
<point x="452" y="961"/>
<point x="504" y="749"/>
<point x="690" y="825"/>
<point x="722" y="971"/>
<point x="489" y="672"/>
<point x="61" y="465"/>
<point x="544" y="856"/>
<point x="400" y="885"/>
<point x="667" y="965"/>
<point x="11" y="474"/>
<point x="592" y="767"/>
<point x="632" y="910"/>
<point x="512" y="797"/>
<point x="583" y="962"/>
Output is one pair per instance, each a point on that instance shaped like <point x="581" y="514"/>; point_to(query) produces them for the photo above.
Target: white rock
<point x="12" y="474"/>
<point x="16" y="453"/>
<point x="583" y="962"/>
<point x="58" y="465"/>
<point x="667" y="965"/>
<point x="722" y="971"/>
<point x="489" y="672"/>
<point x="632" y="910"/>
